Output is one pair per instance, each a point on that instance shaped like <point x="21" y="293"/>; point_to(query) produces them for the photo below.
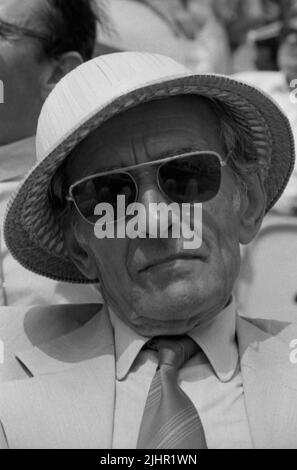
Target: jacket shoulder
<point x="283" y="330"/>
<point x="26" y="327"/>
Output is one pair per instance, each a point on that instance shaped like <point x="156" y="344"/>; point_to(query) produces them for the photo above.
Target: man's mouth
<point x="170" y="260"/>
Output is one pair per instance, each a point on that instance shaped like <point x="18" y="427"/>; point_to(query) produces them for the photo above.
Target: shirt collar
<point x="17" y="159"/>
<point x="216" y="339"/>
<point x="128" y="344"/>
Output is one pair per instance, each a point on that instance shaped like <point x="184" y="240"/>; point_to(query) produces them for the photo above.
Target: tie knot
<point x="174" y="351"/>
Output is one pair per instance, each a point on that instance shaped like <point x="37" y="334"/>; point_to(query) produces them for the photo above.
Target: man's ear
<point x="252" y="210"/>
<point x="57" y="68"/>
<point x="80" y="254"/>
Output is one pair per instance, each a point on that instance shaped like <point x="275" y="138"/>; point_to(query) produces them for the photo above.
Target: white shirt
<point x="212" y="380"/>
<point x="19" y="287"/>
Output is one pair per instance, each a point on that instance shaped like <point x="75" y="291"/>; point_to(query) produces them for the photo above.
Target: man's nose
<point x="150" y="196"/>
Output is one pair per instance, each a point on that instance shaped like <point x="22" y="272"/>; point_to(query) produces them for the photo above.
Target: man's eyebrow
<point x="13" y="27"/>
<point x="109" y="168"/>
<point x="172" y="153"/>
<point x="180" y="150"/>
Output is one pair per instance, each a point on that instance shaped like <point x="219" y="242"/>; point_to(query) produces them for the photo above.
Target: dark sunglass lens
<point x="104" y="190"/>
<point x="194" y="179"/>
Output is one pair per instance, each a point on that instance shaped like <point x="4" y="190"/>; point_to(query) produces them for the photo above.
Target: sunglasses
<point x="193" y="177"/>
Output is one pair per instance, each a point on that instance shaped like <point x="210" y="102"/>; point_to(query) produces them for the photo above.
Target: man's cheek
<point x="109" y="255"/>
<point x="112" y="275"/>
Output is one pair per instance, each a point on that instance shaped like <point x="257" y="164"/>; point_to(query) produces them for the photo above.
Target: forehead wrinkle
<point x="24" y="13"/>
<point x="182" y="108"/>
<point x="127" y="121"/>
<point x="135" y="148"/>
<point x="149" y="138"/>
<point x="156" y="145"/>
<point x="96" y="161"/>
<point x="174" y="144"/>
<point x="128" y="140"/>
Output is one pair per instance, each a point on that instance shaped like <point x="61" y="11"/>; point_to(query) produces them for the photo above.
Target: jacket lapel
<point x="270" y="383"/>
<point x="70" y="399"/>
<point x="22" y="328"/>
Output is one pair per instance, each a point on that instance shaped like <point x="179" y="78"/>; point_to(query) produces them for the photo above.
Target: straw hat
<point x="92" y="94"/>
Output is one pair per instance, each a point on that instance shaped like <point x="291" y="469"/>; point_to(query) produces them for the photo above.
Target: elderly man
<point x="40" y="42"/>
<point x="166" y="362"/>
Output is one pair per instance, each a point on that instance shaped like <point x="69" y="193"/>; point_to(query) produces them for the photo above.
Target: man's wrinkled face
<point x="156" y="285"/>
<point x="20" y="70"/>
<point x="288" y="50"/>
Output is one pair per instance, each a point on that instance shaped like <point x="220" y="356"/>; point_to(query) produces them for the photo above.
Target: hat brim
<point x="31" y="230"/>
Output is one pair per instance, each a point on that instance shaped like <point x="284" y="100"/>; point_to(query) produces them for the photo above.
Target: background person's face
<point x="20" y="72"/>
<point x="155" y="285"/>
<point x="287" y="56"/>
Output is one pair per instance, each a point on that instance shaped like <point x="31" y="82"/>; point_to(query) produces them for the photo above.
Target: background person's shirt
<point x="19" y="286"/>
<point x="212" y="380"/>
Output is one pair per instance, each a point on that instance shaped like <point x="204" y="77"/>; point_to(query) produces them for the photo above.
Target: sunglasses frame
<point x="126" y="170"/>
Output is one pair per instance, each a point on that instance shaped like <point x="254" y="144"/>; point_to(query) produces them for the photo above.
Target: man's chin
<point x="169" y="322"/>
<point x="168" y="328"/>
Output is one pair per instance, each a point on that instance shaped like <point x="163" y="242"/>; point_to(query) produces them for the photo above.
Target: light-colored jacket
<point x="61" y="394"/>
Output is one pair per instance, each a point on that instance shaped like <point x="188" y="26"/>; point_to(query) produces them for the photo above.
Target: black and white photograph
<point x="148" y="228"/>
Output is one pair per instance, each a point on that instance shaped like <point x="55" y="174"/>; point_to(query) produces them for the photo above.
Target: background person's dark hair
<point x="71" y="25"/>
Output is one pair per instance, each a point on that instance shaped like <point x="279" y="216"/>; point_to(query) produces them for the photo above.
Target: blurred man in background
<point x="40" y="42"/>
<point x="239" y="17"/>
<point x="186" y="30"/>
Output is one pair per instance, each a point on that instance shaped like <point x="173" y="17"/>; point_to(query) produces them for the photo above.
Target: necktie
<point x="170" y="420"/>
